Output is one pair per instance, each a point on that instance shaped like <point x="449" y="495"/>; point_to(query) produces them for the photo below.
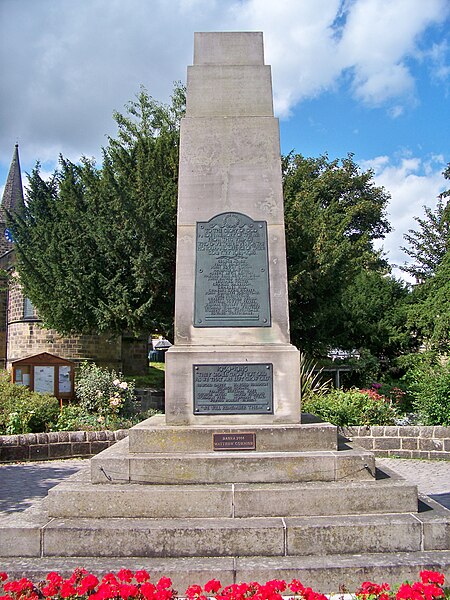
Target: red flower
<point x="3" y="576"/>
<point x="128" y="591"/>
<point x="50" y="590"/>
<point x="141" y="576"/>
<point x="87" y="584"/>
<point x="164" y="583"/>
<point x="67" y="590"/>
<point x="194" y="591"/>
<point x="432" y="577"/>
<point x="212" y="586"/>
<point x="148" y="590"/>
<point x="296" y="586"/>
<point x="125" y="575"/>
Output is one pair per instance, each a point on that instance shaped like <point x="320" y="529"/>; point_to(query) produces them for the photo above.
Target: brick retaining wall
<point x="56" y="444"/>
<point x="402" y="442"/>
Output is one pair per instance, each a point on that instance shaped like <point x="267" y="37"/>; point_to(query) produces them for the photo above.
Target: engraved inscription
<point x="234" y="441"/>
<point x="232" y="273"/>
<point x="233" y="389"/>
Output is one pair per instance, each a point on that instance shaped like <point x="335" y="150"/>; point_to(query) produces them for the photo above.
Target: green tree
<point x="96" y="246"/>
<point x="334" y="213"/>
<point x="374" y="312"/>
<point x="428" y="244"/>
<point x="429" y="315"/>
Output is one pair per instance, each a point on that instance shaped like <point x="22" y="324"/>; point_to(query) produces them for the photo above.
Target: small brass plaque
<point x="234" y="441"/>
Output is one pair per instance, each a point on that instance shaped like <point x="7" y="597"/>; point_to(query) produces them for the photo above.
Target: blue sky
<point x="370" y="77"/>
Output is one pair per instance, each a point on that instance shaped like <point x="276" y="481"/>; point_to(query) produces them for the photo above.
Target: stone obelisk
<point x="232" y="361"/>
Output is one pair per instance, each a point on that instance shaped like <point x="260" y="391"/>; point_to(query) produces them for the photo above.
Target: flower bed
<point x="126" y="585"/>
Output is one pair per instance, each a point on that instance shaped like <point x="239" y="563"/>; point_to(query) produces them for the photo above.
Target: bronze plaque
<point x="233" y="389"/>
<point x="232" y="272"/>
<point x="234" y="441"/>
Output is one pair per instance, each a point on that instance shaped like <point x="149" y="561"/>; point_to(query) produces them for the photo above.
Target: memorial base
<point x="166" y="501"/>
<point x="282" y="360"/>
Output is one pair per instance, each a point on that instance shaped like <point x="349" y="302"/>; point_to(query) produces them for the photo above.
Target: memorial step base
<point x="154" y="436"/>
<point x="324" y="574"/>
<point x="78" y="497"/>
<point x="117" y="465"/>
<point x="35" y="533"/>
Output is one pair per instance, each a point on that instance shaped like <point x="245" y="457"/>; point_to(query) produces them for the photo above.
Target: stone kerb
<point x="57" y="444"/>
<point x="419" y="441"/>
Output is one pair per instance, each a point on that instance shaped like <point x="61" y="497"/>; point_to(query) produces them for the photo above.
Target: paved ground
<point x="432" y="477"/>
<point x="21" y="484"/>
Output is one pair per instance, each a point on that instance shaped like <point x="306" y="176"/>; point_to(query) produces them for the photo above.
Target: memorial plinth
<point x="232" y="361"/>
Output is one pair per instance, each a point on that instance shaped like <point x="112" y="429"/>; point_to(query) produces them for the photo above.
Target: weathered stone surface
<point x="115" y="460"/>
<point x="237" y="467"/>
<point x="154" y="436"/>
<point x="334" y="498"/>
<point x="327" y="574"/>
<point x="83" y="499"/>
<point x="353" y="534"/>
<point x="228" y="48"/>
<point x="163" y="537"/>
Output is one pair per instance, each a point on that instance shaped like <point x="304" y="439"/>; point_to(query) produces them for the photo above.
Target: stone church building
<point x="21" y="330"/>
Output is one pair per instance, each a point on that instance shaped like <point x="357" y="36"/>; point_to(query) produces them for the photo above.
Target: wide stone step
<point x="118" y="465"/>
<point x="233" y="537"/>
<point x="154" y="436"/>
<point x="326" y="574"/>
<point x="78" y="497"/>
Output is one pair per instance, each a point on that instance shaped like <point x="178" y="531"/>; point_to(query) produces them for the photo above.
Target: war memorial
<point x="232" y="482"/>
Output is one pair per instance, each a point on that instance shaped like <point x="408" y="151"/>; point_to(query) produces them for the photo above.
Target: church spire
<point x="13" y="194"/>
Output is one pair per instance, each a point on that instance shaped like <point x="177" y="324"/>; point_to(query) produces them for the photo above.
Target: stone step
<point x="154" y="436"/>
<point x="37" y="534"/>
<point x="117" y="465"/>
<point x="78" y="497"/>
<point x="275" y="536"/>
<point x="325" y="574"/>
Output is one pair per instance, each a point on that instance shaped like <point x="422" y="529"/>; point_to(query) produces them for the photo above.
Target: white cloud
<point x="412" y="183"/>
<point x="65" y="70"/>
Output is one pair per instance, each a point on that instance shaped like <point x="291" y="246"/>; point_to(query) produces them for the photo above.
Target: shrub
<point x="103" y="393"/>
<point x="352" y="407"/>
<point x="429" y="385"/>
<point x="24" y="411"/>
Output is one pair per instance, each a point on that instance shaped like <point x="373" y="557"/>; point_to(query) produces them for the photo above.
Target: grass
<point x="155" y="377"/>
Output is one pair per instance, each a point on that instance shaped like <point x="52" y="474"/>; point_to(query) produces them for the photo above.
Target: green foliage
<point x="333" y="215"/>
<point x="23" y="411"/>
<point x="374" y="312"/>
<point x="429" y="384"/>
<point x="352" y="407"/>
<point x="74" y="417"/>
<point x="96" y="246"/>
<point x="103" y="392"/>
<point x="428" y="245"/>
<point x="429" y="315"/>
<point x="155" y="377"/>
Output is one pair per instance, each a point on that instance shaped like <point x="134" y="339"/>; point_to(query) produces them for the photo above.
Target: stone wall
<point x="57" y="444"/>
<point x="147" y="398"/>
<point x="26" y="337"/>
<point x="402" y="442"/>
